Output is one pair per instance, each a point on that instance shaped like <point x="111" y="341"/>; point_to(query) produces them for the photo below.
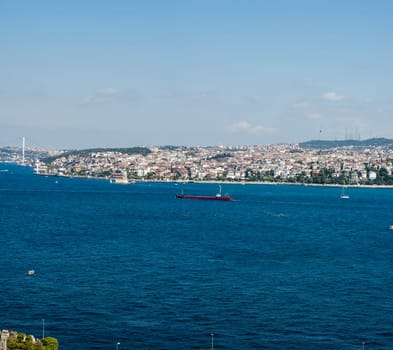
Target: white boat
<point x="343" y="194"/>
<point x="390" y="227"/>
<point x="30" y="272"/>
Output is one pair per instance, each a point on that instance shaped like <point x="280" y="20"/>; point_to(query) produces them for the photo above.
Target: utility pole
<point x="43" y="328"/>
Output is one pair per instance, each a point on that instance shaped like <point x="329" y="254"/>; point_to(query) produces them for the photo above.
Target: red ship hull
<point x="209" y="198"/>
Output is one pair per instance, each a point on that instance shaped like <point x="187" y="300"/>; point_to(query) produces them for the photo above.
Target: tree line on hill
<point x="327" y="144"/>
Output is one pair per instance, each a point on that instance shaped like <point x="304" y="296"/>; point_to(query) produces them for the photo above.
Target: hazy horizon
<point x="97" y="74"/>
<point x="190" y="146"/>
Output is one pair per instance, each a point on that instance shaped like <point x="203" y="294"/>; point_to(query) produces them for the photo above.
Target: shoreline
<point x="218" y="182"/>
<point x="226" y="182"/>
<point x="281" y="184"/>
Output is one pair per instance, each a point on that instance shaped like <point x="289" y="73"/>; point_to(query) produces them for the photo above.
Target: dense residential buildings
<point x="266" y="163"/>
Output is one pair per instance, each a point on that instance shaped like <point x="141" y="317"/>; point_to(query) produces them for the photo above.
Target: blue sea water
<point x="281" y="267"/>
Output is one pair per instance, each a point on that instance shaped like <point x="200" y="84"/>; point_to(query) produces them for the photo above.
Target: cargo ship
<point x="217" y="197"/>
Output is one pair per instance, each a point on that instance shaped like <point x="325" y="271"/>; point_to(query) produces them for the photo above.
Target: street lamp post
<point x="43" y="328"/>
<point x="212" y="341"/>
<point x="117" y="345"/>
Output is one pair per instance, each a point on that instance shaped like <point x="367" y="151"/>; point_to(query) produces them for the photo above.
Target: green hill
<point x="327" y="144"/>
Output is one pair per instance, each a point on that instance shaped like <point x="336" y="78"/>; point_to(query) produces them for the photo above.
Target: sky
<point x="95" y="73"/>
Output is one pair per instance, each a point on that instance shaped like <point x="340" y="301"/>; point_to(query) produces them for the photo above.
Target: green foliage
<point x="50" y="343"/>
<point x="170" y="147"/>
<point x="150" y="176"/>
<point x="23" y="342"/>
<point x="326" y="144"/>
<point x="220" y="156"/>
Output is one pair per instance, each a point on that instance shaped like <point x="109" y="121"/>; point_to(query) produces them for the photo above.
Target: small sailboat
<point x="343" y="194"/>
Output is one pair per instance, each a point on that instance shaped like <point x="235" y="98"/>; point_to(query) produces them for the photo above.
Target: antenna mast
<point x="23" y="150"/>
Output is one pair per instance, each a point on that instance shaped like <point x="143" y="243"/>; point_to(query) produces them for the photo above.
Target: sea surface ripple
<point x="281" y="267"/>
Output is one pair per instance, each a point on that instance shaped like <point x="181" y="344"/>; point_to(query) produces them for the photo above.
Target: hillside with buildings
<point x="364" y="164"/>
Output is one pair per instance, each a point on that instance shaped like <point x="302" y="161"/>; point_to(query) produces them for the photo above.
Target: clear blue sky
<point x="80" y="73"/>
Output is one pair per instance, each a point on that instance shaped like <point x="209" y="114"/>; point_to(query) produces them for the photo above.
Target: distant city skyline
<point x="83" y="74"/>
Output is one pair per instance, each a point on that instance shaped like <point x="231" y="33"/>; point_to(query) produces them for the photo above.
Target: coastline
<point x="269" y="183"/>
<point x="284" y="184"/>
